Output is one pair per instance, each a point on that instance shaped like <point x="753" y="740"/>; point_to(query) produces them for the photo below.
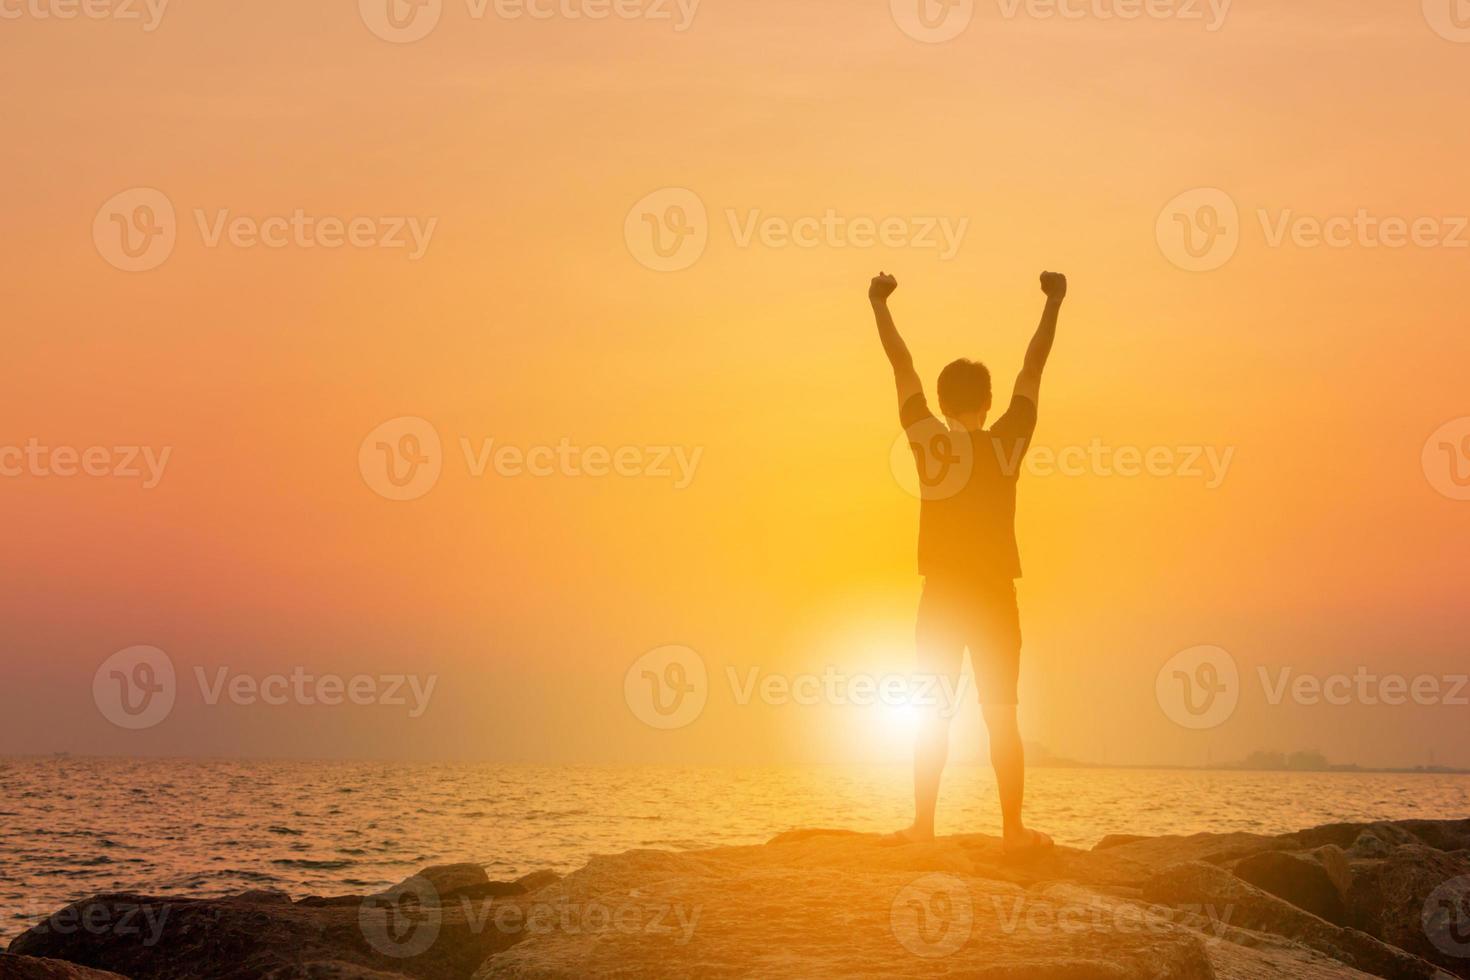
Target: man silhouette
<point x="968" y="554"/>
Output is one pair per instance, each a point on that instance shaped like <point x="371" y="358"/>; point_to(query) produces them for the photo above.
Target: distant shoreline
<point x="1348" y="768"/>
<point x="1032" y="763"/>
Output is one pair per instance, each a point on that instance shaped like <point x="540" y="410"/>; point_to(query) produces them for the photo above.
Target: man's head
<point x="964" y="390"/>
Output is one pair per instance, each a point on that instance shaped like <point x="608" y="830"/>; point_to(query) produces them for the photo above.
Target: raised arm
<point x="905" y="378"/>
<point x="1028" y="382"/>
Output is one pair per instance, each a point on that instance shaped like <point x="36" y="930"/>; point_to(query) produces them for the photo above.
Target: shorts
<point x="981" y="616"/>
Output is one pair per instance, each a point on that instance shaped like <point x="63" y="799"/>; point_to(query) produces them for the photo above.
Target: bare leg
<point x="1008" y="757"/>
<point x="931" y="751"/>
<point x="941" y="650"/>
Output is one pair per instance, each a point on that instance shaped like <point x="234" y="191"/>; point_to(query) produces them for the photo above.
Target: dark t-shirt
<point x="967" y="518"/>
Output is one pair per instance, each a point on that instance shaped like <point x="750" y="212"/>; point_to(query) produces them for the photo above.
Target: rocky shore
<point x="1344" y="900"/>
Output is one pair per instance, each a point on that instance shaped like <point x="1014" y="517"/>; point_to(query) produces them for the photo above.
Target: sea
<point x="73" y="827"/>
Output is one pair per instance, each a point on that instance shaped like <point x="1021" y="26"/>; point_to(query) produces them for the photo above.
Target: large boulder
<point x="31" y="968"/>
<point x="1394" y="897"/>
<point x="1198" y="885"/>
<point x="148" y="938"/>
<point x="1317" y="882"/>
<point x="445" y="881"/>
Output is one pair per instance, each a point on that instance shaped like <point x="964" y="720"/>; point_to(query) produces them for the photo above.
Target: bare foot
<point x="909" y="835"/>
<point x="1026" y="843"/>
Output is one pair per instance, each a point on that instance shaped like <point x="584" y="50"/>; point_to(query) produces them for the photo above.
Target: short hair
<point x="964" y="386"/>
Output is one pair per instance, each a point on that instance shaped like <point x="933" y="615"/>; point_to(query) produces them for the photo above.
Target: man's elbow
<point x="1028" y="384"/>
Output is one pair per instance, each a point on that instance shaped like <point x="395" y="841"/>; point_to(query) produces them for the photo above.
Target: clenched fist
<point x="881" y="287"/>
<point x="1054" y="284"/>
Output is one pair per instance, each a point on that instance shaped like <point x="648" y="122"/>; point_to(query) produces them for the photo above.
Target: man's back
<point x="967" y="518"/>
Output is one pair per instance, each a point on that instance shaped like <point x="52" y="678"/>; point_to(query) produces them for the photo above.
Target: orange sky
<point x="529" y="320"/>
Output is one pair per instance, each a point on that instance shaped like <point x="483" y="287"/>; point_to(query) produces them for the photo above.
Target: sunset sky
<point x="521" y="147"/>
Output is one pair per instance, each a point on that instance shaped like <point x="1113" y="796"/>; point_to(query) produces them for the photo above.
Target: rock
<point x="821" y="902"/>
<point x="325" y="970"/>
<point x="31" y="968"/>
<point x="1345" y="834"/>
<point x="1239" y="904"/>
<point x="1160" y="852"/>
<point x="447" y="879"/>
<point x="830" y="905"/>
<point x="793" y="836"/>
<point x="1339" y="872"/>
<point x="537" y="880"/>
<point x="1302" y="880"/>
<point x="1389" y="899"/>
<point x="148" y="938"/>
<point x="264" y="896"/>
<point x="1369" y="845"/>
<point x="456" y="883"/>
<point x="1442" y="835"/>
<point x="1113" y="840"/>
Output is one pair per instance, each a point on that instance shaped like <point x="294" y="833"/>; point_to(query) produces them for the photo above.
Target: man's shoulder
<point x="915" y="411"/>
<point x="1021" y="415"/>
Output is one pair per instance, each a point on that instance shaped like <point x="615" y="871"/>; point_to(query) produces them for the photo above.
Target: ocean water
<point x="70" y="827"/>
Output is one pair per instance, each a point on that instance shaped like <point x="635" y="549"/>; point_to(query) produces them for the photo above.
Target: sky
<point x="500" y="363"/>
